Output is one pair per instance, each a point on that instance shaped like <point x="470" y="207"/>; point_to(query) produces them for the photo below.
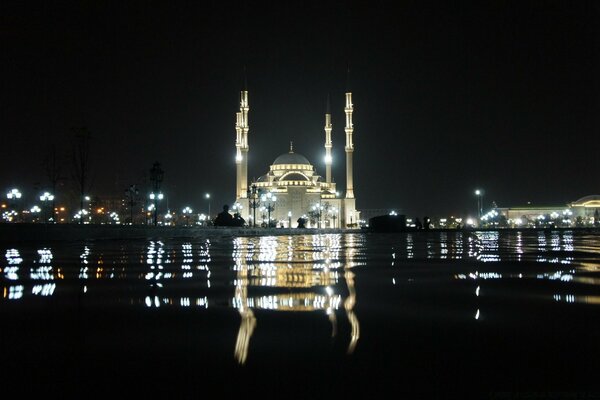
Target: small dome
<point x="262" y="178"/>
<point x="590" y="201"/>
<point x="291" y="158"/>
<point x="294" y="177"/>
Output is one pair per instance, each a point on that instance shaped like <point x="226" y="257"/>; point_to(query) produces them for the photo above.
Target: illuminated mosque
<point x="291" y="188"/>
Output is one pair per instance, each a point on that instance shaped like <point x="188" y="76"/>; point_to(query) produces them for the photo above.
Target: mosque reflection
<point x="315" y="278"/>
<point x="297" y="273"/>
<point x="291" y="273"/>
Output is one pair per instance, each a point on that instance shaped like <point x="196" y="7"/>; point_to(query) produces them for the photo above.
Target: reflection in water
<point x="311" y="273"/>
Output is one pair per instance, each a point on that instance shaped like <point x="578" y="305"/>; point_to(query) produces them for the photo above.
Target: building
<point x="292" y="188"/>
<point x="583" y="212"/>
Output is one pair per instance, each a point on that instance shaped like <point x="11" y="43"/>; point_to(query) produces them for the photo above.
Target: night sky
<point x="448" y="96"/>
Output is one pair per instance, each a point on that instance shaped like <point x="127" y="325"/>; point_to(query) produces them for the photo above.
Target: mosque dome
<point x="291" y="158"/>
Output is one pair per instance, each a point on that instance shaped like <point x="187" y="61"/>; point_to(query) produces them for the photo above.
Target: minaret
<point x="349" y="146"/>
<point x="328" y="144"/>
<point x="241" y="144"/>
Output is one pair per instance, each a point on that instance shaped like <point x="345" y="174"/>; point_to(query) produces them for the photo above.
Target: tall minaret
<point x="241" y="144"/>
<point x="349" y="146"/>
<point x="328" y="144"/>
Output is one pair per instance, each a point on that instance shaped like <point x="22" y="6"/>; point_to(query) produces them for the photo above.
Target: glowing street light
<point x="45" y="198"/>
<point x="186" y="212"/>
<point x="207" y="196"/>
<point x="479" y="194"/>
<point x="155" y="197"/>
<point x="253" y="201"/>
<point x="269" y="199"/>
<point x="35" y="210"/>
<point x="14" y="195"/>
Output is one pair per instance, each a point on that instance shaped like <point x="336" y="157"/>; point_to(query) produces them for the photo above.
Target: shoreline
<point x="20" y="232"/>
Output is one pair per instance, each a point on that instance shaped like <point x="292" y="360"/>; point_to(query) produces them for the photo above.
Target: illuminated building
<point x="292" y="179"/>
<point x="582" y="212"/>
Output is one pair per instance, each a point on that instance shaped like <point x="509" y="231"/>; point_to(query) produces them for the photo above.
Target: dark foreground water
<point x="498" y="315"/>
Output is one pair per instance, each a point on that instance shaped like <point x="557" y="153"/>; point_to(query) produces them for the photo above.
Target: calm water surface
<point x="420" y="315"/>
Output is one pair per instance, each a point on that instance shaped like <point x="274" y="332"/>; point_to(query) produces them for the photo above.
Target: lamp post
<point x="155" y="197"/>
<point x="207" y="196"/>
<point x="168" y="217"/>
<point x="14" y="195"/>
<point x="317" y="208"/>
<point x="479" y="194"/>
<point x="237" y="208"/>
<point x="131" y="194"/>
<point x="34" y="210"/>
<point x="156" y="177"/>
<point x="186" y="212"/>
<point x="269" y="200"/>
<point x="44" y="199"/>
<point x="253" y="201"/>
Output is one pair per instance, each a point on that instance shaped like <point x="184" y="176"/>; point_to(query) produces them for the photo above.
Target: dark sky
<point x="449" y="96"/>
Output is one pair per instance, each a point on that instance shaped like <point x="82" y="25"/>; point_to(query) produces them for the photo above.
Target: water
<point x="420" y="315"/>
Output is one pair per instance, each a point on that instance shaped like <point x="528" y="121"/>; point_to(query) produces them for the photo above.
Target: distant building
<point x="584" y="211"/>
<point x="292" y="180"/>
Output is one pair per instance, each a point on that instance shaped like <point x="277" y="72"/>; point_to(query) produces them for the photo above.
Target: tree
<point x="81" y="163"/>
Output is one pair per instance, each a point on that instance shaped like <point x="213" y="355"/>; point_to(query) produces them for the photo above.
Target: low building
<point x="583" y="212"/>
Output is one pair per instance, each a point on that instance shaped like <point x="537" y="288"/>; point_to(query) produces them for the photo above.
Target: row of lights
<point x="15" y="194"/>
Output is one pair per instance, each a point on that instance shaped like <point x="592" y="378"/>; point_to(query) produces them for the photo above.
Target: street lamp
<point x="207" y="196"/>
<point x="14" y="195"/>
<point x="186" y="212"/>
<point x="237" y="208"/>
<point x="479" y="194"/>
<point x="269" y="199"/>
<point x="34" y="210"/>
<point x="156" y="177"/>
<point x="253" y="201"/>
<point x="44" y="199"/>
<point x="168" y="217"/>
<point x="317" y="207"/>
<point x="334" y="212"/>
<point x="155" y="197"/>
<point x="202" y="219"/>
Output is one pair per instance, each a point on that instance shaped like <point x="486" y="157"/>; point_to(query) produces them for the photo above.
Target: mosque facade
<point x="291" y="188"/>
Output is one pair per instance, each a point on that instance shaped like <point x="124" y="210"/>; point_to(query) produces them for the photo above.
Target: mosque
<point x="292" y="188"/>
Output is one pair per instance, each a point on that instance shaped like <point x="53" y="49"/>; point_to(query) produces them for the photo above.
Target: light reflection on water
<point x="317" y="274"/>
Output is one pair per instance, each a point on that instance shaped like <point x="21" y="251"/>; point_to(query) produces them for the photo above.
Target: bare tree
<point x="81" y="163"/>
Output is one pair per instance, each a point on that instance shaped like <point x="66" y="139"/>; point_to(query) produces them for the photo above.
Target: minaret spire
<point x="349" y="145"/>
<point x="241" y="156"/>
<point x="328" y="144"/>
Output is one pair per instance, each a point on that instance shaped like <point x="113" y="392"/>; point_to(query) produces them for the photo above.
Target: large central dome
<point x="291" y="158"/>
